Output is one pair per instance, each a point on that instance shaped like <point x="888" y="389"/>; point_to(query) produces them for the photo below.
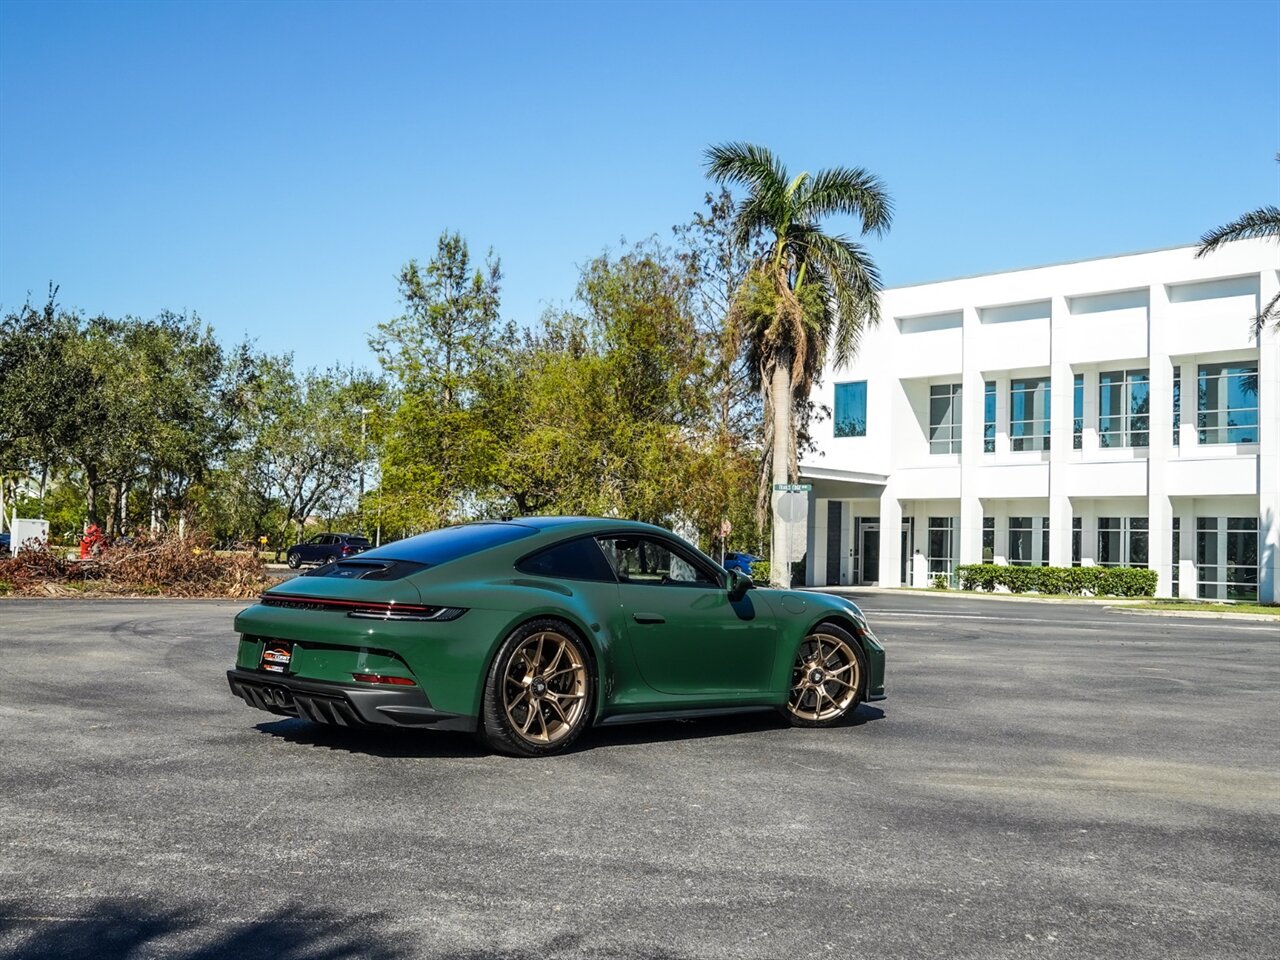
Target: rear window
<point x="367" y="569"/>
<point x="358" y="541"/>
<point x="450" y="543"/>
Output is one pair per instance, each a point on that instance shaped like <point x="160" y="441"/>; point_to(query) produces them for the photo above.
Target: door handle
<point x="648" y="618"/>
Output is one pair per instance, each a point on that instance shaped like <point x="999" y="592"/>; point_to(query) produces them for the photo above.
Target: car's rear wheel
<point x="539" y="690"/>
<point x="294" y="561"/>
<point x="827" y="678"/>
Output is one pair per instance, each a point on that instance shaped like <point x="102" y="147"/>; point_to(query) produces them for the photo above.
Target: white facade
<point x="1062" y="380"/>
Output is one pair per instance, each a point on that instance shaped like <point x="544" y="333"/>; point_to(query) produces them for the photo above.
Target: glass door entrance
<point x="869" y="565"/>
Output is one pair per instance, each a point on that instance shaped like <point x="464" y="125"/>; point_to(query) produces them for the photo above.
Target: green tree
<point x="47" y="393"/>
<point x="112" y="405"/>
<point x="607" y="409"/>
<point x="1262" y="223"/>
<point x="436" y="450"/>
<point x="303" y="448"/>
<point x="811" y="289"/>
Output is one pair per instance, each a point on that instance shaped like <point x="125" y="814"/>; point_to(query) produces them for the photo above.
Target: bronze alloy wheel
<point x="544" y="688"/>
<point x="826" y="679"/>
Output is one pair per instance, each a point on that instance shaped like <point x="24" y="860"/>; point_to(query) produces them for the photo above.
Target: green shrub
<point x="978" y="576"/>
<point x="1052" y="579"/>
<point x="760" y="571"/>
<point x="1128" y="582"/>
<point x="939" y="581"/>
<point x="1077" y="581"/>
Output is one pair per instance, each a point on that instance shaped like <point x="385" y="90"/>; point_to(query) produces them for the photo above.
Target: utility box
<point x="28" y="534"/>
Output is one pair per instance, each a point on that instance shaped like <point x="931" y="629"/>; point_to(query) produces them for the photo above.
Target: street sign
<point x="793" y="487"/>
<point x="792" y="507"/>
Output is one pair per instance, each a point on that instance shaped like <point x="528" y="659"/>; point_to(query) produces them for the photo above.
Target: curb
<point x="959" y="595"/>
<point x="1201" y="615"/>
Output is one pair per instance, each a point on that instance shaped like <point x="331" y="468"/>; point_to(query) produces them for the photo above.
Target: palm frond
<point x="1263" y="222"/>
<point x="747" y="164"/>
<point x="849" y="190"/>
<point x="1269" y="313"/>
<point x="854" y="285"/>
<point x="756" y="167"/>
<point x="757" y="213"/>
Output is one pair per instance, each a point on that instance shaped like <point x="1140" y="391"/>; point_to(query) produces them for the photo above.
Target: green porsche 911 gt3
<point x="528" y="631"/>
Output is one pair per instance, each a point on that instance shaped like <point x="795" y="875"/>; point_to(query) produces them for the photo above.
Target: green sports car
<point x="528" y="631"/>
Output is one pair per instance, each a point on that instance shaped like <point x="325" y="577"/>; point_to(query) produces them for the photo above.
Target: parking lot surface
<point x="1045" y="780"/>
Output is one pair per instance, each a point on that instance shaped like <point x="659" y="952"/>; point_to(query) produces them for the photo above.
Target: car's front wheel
<point x="827" y="678"/>
<point x="294" y="561"/>
<point x="538" y="693"/>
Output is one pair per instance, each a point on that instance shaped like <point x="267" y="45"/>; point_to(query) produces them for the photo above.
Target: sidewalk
<point x="1129" y="605"/>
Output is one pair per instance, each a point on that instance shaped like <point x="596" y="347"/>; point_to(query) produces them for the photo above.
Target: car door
<point x="313" y="550"/>
<point x="688" y="638"/>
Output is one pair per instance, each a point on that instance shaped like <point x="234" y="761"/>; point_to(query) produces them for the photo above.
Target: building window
<point x="1077" y="412"/>
<point x="988" y="539"/>
<point x="1029" y="414"/>
<point x="1177" y="552"/>
<point x="989" y="417"/>
<point x="1177" y="405"/>
<point x="1021" y="535"/>
<point x="1124" y="400"/>
<point x="1044" y="541"/>
<point x="1227" y="403"/>
<point x="1137" y="541"/>
<point x="942" y="543"/>
<point x="1122" y="541"/>
<point x="851" y="409"/>
<point x="944" y="418"/>
<point x="1077" y="540"/>
<point x="1227" y="558"/>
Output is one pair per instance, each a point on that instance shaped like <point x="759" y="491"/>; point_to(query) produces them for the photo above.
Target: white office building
<point x="1116" y="411"/>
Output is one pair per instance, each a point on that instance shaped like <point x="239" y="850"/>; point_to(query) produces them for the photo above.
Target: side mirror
<point x="739" y="584"/>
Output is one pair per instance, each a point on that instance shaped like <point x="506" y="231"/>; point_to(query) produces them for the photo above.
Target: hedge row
<point x="1098" y="581"/>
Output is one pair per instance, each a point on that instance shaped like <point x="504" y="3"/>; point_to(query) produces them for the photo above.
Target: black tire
<point x="329" y="560"/>
<point x="823" y="701"/>
<point x="294" y="561"/>
<point x="573" y="684"/>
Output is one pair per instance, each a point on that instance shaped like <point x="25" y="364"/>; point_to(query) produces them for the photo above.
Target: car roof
<point x="585" y="523"/>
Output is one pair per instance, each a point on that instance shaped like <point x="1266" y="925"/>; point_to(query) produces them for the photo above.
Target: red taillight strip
<point x="391" y="607"/>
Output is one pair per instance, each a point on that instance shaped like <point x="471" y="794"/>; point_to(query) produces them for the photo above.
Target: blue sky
<point x="271" y="166"/>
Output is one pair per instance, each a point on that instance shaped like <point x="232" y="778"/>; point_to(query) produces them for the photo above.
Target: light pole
<point x="363" y="456"/>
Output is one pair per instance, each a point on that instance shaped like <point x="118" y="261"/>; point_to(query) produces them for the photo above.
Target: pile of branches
<point x="167" y="566"/>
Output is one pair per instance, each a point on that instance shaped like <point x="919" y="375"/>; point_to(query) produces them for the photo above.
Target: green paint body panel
<point x="705" y="653"/>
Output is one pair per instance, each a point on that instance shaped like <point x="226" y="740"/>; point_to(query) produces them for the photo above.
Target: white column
<point x="1088" y="513"/>
<point x="890" y="538"/>
<point x="815" y="562"/>
<point x="1160" y="419"/>
<point x="1269" y="449"/>
<point x="971" y="441"/>
<point x="1089" y="431"/>
<point x="970" y="530"/>
<point x="1186" y="559"/>
<point x="1061" y="430"/>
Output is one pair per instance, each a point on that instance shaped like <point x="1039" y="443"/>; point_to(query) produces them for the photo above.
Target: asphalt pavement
<point x="1045" y="780"/>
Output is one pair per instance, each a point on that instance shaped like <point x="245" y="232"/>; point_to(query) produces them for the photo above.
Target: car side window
<point x="647" y="560"/>
<point x="317" y="539"/>
<point x="579" y="559"/>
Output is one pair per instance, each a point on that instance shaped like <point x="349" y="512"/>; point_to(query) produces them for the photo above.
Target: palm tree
<point x="809" y="289"/>
<point x="1261" y="223"/>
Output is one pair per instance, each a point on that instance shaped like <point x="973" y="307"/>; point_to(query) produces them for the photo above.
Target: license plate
<point x="276" y="656"/>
